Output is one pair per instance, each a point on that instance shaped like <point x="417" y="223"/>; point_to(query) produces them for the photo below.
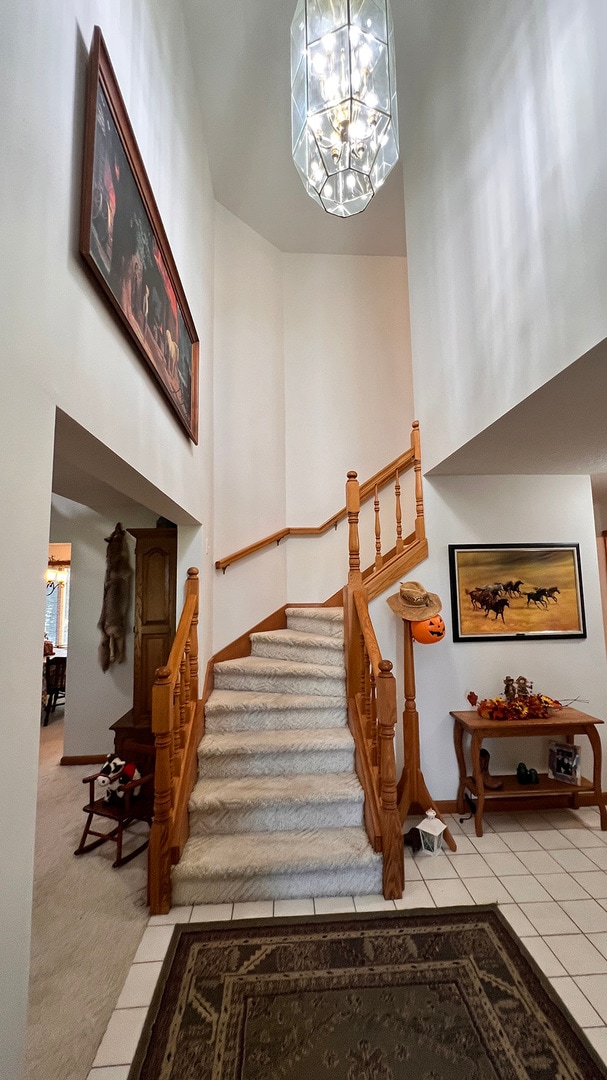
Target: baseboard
<point x="85" y="759"/>
<point x="446" y="806"/>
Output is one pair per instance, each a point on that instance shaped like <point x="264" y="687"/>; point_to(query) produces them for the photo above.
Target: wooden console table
<point x="564" y="724"/>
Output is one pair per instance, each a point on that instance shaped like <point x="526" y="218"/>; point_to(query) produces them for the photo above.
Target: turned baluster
<point x="378" y="556"/>
<point x="420" y="531"/>
<point x="353" y="508"/>
<point x="183" y="698"/>
<point x="399" y="516"/>
<point x="392" y="841"/>
<point x="192" y="589"/>
<point x="175" y="727"/>
<point x="373" y="716"/>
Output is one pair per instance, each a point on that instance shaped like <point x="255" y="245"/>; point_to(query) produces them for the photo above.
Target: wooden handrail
<point x="367" y="490"/>
<point x="176" y="723"/>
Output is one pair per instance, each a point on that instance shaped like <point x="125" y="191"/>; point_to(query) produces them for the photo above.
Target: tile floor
<point x="547" y="871"/>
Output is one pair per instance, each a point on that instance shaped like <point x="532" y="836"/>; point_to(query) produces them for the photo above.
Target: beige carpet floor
<point x="87" y="922"/>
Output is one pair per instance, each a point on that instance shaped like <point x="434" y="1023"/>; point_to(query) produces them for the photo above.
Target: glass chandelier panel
<point x="343" y="100"/>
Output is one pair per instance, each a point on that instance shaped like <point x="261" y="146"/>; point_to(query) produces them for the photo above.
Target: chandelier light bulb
<point x="343" y="100"/>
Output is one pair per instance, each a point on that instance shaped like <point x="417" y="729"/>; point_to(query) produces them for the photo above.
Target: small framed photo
<point x="516" y="592"/>
<point x="564" y="762"/>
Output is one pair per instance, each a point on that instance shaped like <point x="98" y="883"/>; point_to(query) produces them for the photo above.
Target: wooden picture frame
<point x="516" y="592"/>
<point x="124" y="244"/>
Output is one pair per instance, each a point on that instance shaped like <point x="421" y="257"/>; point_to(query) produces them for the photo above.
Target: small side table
<point x="564" y="724"/>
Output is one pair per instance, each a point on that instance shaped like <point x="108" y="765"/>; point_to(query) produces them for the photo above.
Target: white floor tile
<point x="518" y="921"/>
<point x="294" y="907"/>
<point x="504" y="865"/>
<point x="472" y="866"/>
<point x="544" y="956"/>
<point x="113" y="1072"/>
<point x="412" y="870"/>
<point x="490" y="841"/>
<point x="139" y="986"/>
<point x="501" y="823"/>
<point x="588" y="815"/>
<point x="535" y="822"/>
<point x="487" y="890"/>
<point x="598" y="1037"/>
<point x="120" y="1040"/>
<point x="540" y="862"/>
<point x="598" y="856"/>
<point x="549" y="918"/>
<point x="562" y="887"/>
<point x="594" y="882"/>
<point x="447" y="893"/>
<point x="464" y="846"/>
<point x="574" y="1000"/>
<point x="599" y="941"/>
<point x="253" y="909"/>
<point x="211" y="912"/>
<point x="551" y="839"/>
<point x="595" y="989"/>
<point x="416" y="895"/>
<point x="433" y="867"/>
<point x="524" y="888"/>
<point x="573" y="860"/>
<point x="153" y="945"/>
<point x="577" y="954"/>
<point x="583" y="838"/>
<point x="373" y="903"/>
<point x="175" y="915"/>
<point x="521" y="841"/>
<point x="329" y="905"/>
<point x="589" y="916"/>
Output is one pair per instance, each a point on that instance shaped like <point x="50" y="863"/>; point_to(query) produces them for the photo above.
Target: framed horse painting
<point x="516" y="592"/>
<point x="124" y="245"/>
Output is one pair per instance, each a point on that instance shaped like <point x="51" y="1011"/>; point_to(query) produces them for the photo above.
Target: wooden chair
<point x="133" y="808"/>
<point x="54" y="678"/>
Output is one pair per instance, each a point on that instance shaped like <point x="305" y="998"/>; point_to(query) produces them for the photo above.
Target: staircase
<point x="277" y="811"/>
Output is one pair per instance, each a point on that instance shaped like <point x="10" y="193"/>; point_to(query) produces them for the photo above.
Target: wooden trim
<point x="397" y="567"/>
<point x="84" y="759"/>
<point x="367" y="491"/>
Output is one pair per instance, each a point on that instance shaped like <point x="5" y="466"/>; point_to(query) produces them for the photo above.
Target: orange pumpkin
<point x="429" y="631"/>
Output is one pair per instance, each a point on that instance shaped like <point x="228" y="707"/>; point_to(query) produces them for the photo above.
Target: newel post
<point x="159" y="855"/>
<point x="392" y="840"/>
<point x="355" y="577"/>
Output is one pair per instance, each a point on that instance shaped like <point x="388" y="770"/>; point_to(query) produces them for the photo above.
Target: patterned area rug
<point x="442" y="995"/>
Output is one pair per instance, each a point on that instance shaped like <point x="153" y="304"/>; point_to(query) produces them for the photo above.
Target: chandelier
<point x="343" y="100"/>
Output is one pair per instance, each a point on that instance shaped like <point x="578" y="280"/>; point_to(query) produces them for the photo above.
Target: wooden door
<point x="155" y="603"/>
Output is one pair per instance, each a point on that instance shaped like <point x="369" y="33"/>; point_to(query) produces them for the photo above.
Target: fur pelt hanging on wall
<point x="116" y="597"/>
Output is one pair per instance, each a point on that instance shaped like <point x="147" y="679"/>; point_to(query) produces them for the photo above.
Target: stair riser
<point x="286" y="720"/>
<point x="304" y="654"/>
<point x="347" y="882"/>
<point x="273" y="818"/>
<point x="297" y="761"/>
<point x="305" y="624"/>
<point x="279" y="684"/>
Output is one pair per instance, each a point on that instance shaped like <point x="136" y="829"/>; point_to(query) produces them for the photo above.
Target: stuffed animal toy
<point x="113" y="777"/>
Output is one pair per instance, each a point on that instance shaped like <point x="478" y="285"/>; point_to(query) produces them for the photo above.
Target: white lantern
<point x="431" y="831"/>
<point x="343" y="100"/>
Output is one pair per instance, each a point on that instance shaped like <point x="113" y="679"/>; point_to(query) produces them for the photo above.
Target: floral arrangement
<point x="536" y="706"/>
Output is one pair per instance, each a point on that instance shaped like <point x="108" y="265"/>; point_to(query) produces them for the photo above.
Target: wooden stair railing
<point x="383" y="565"/>
<point x="372" y="720"/>
<point x="177" y="726"/>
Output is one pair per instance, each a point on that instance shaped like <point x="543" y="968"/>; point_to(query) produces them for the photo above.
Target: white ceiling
<point x="241" y="56"/>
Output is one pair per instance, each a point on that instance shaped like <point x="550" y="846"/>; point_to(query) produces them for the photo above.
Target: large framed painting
<point x="516" y="592"/>
<point x="124" y="244"/>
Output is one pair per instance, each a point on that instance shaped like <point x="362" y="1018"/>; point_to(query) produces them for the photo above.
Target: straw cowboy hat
<point x="412" y="602"/>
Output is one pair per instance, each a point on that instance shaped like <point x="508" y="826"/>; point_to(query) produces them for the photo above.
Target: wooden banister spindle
<point x="373" y="715"/>
<point x="399" y="515"/>
<point x="420" y="530"/>
<point x="192" y="588"/>
<point x="392" y="841"/>
<point x="159" y="861"/>
<point x="175" y="726"/>
<point x="353" y="508"/>
<point x="378" y="556"/>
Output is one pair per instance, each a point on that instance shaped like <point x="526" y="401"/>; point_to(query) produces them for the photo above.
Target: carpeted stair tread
<point x="297" y="645"/>
<point x="238" y="710"/>
<point x="235" y="793"/>
<point x="274" y="742"/>
<point x="324" y="620"/>
<point x="250" y="854"/>
<point x="277" y="675"/>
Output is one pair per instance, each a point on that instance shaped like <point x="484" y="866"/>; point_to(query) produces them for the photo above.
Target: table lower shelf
<point x="511" y="789"/>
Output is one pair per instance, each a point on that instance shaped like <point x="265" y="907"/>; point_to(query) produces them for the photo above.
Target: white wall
<point x="506" y="206"/>
<point x="61" y="347"/>
<point x="499" y="509"/>
<point x="249" y="404"/>
<point x="349" y="401"/>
